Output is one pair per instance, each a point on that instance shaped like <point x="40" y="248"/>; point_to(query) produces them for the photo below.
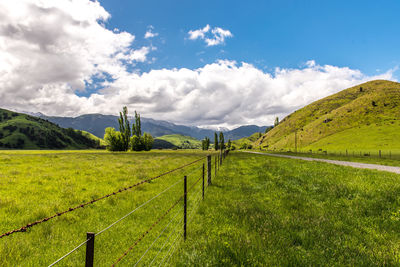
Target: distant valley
<point x="96" y="124"/>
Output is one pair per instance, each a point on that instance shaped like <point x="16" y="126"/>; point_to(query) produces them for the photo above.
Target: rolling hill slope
<point x="178" y="141"/>
<point x="366" y="116"/>
<point x="21" y="131"/>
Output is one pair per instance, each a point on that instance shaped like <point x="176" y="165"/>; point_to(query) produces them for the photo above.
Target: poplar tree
<point x="221" y="140"/>
<point x="137" y="126"/>
<point x="205" y="143"/>
<point x="124" y="128"/>
<point x="216" y="147"/>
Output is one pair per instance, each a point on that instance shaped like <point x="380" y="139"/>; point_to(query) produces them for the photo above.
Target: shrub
<point x="113" y="140"/>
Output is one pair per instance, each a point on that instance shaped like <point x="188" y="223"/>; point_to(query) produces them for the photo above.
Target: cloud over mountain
<point x="51" y="50"/>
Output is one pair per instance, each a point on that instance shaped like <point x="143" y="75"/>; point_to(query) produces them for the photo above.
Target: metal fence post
<point x="89" y="249"/>
<point x="184" y="206"/>
<point x="203" y="180"/>
<point x="209" y="169"/>
<point x="220" y="158"/>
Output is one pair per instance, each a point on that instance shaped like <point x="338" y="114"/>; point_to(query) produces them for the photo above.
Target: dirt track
<point x="338" y="162"/>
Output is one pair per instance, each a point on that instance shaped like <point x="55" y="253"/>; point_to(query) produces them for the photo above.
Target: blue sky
<point x="207" y="63"/>
<point x="358" y="34"/>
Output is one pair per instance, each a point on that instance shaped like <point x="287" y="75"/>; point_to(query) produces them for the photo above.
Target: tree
<point x="243" y="146"/>
<point x="113" y="139"/>
<point x="136" y="143"/>
<point x="276" y="122"/>
<point x="139" y="142"/>
<point x="122" y="140"/>
<point x="137" y="126"/>
<point x="221" y="141"/>
<point x="205" y="143"/>
<point x="228" y="146"/>
<point x="216" y="147"/>
<point x="124" y="128"/>
<point x="148" y="141"/>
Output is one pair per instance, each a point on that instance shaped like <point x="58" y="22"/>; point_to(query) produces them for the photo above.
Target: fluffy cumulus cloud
<point x="226" y="93"/>
<point x="211" y="37"/>
<point x="51" y="50"/>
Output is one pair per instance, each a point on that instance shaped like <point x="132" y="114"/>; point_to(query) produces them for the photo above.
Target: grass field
<point x="181" y="141"/>
<point x="259" y="211"/>
<point x="265" y="211"/>
<point x="37" y="184"/>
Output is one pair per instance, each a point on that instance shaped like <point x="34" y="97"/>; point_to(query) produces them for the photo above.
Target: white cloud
<point x="214" y="37"/>
<point x="50" y="49"/>
<point x="149" y="33"/>
<point x="200" y="33"/>
<point x="60" y="46"/>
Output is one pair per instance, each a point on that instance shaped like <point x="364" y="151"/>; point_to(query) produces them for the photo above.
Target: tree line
<point x="218" y="144"/>
<point x="128" y="138"/>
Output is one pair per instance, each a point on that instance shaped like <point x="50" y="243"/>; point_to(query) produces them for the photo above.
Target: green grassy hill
<point x="366" y="116"/>
<point x="21" y="131"/>
<point x="179" y="141"/>
<point x="246" y="141"/>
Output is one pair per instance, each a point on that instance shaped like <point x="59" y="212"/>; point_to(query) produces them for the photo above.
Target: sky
<point x="203" y="63"/>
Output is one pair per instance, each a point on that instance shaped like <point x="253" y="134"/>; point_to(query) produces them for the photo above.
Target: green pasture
<point x="267" y="211"/>
<point x="37" y="184"/>
<point x="259" y="210"/>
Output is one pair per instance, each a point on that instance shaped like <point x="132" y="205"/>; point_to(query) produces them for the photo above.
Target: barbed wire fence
<point x="176" y="227"/>
<point x="29" y="225"/>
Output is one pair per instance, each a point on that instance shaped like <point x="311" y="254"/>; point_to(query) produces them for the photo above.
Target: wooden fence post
<point x="209" y="169"/>
<point x="184" y="206"/>
<point x="89" y="249"/>
<point x="220" y="158"/>
<point x="203" y="180"/>
<point x="215" y="166"/>
<point x="380" y="153"/>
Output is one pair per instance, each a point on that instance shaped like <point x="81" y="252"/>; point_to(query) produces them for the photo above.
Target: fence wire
<point x="157" y="221"/>
<point x="29" y="225"/>
<point x="143" y="235"/>
<point x="197" y="196"/>
<point x="165" y="228"/>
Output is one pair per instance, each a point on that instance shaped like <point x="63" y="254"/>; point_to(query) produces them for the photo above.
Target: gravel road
<point x="338" y="162"/>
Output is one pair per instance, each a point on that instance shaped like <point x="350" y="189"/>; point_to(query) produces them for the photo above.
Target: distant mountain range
<point x="96" y="124"/>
